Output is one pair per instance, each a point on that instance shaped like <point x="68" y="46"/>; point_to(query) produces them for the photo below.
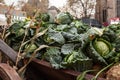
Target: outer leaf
<point x="62" y="27"/>
<point x="73" y="30"/>
<point x="90" y="35"/>
<point x="75" y="61"/>
<point x="67" y="48"/>
<point x="92" y="53"/>
<point x="53" y="56"/>
<point x="56" y="36"/>
<point x="17" y="29"/>
<point x="109" y="35"/>
<point x="71" y="37"/>
<point x="82" y="28"/>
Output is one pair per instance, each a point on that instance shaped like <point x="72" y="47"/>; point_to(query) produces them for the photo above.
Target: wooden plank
<point x="8" y="73"/>
<point x="8" y="51"/>
<point x="53" y="74"/>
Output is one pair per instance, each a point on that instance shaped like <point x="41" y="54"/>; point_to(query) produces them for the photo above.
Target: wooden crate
<point x="39" y="68"/>
<point x="43" y="68"/>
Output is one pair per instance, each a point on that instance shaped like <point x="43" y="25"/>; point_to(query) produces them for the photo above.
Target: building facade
<point x="4" y="9"/>
<point x="107" y="9"/>
<point x="14" y="14"/>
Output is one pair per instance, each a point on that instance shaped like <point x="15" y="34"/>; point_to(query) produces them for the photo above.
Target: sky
<point x="57" y="3"/>
<point x="9" y="2"/>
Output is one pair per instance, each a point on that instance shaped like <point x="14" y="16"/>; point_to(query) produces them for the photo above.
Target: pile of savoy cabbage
<point x="71" y="43"/>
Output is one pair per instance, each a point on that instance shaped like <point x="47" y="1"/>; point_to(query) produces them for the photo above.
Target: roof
<point x="54" y="8"/>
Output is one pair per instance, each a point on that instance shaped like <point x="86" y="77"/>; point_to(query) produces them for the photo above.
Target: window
<point x="104" y="15"/>
<point x="118" y="8"/>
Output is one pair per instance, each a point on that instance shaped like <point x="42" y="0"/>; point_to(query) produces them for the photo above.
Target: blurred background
<point x="93" y="9"/>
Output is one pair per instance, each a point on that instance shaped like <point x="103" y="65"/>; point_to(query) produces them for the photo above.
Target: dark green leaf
<point x="56" y="36"/>
<point x="67" y="48"/>
<point x="53" y="56"/>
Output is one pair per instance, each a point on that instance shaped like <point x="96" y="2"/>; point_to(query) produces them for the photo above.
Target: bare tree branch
<point x="80" y="8"/>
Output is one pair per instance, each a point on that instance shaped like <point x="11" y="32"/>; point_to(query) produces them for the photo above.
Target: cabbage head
<point x="43" y="17"/>
<point x="64" y="18"/>
<point x="102" y="46"/>
<point x="97" y="49"/>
